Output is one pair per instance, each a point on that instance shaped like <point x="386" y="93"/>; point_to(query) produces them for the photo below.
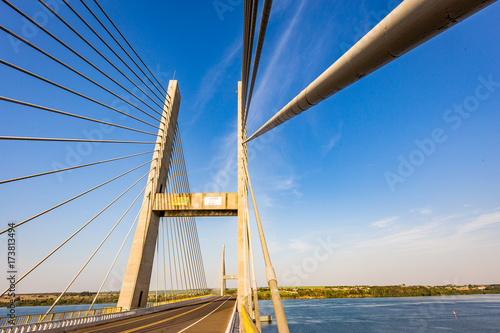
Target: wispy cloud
<point x="438" y="234"/>
<point x="265" y="88"/>
<point x="422" y="211"/>
<point x="222" y="169"/>
<point x="405" y="237"/>
<point x="385" y="222"/>
<point x="334" y="140"/>
<point x="213" y="78"/>
<point x="300" y="245"/>
<point x="481" y="222"/>
<point x="289" y="184"/>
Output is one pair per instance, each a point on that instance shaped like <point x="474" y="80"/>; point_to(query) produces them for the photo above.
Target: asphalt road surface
<point x="209" y="315"/>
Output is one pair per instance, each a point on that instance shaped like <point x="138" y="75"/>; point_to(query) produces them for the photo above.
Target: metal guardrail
<point x="58" y="322"/>
<point x="36" y="318"/>
<point x="232" y="321"/>
<point x="248" y="323"/>
<point x="47" y="325"/>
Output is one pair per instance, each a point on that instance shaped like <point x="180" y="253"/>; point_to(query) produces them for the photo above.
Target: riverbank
<point x="320" y="292"/>
<point x="85" y="297"/>
<point x="378" y="291"/>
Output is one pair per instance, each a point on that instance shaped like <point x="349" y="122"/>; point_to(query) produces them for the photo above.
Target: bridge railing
<point x="152" y="304"/>
<point x="85" y="318"/>
<point x="36" y="318"/>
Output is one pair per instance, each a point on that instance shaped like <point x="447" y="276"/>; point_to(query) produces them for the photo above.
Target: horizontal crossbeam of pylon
<point x="196" y="204"/>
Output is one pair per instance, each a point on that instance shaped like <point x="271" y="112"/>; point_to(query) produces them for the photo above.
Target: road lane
<point x="177" y="319"/>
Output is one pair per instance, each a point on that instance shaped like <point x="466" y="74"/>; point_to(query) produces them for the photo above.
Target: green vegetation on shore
<point x="47" y="299"/>
<point x="376" y="291"/>
<point x="86" y="297"/>
<point x="264" y="294"/>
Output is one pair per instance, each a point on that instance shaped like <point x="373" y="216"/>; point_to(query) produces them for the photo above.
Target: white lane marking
<point x="205" y="316"/>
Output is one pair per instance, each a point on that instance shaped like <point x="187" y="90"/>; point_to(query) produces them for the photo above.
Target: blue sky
<point x="383" y="183"/>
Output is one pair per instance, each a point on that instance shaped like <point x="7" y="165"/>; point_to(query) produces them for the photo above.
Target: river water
<point x="474" y="313"/>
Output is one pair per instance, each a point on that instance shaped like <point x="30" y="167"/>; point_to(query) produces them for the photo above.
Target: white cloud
<point x="438" y="234"/>
<point x="300" y="245"/>
<point x="284" y="184"/>
<point x="334" y="140"/>
<point x="263" y="91"/>
<point x="222" y="169"/>
<point x="214" y="77"/>
<point x="481" y="222"/>
<point x="385" y="222"/>
<point x="422" y="211"/>
<point x="287" y="184"/>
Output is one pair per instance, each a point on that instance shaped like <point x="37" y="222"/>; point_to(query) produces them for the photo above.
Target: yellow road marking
<point x="139" y="318"/>
<point x="217" y="308"/>
<point x="165" y="320"/>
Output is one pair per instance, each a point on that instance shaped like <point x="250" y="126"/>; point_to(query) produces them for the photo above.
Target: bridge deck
<point x="207" y="315"/>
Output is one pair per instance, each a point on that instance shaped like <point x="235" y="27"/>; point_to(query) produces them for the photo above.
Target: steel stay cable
<point x="169" y="185"/>
<point x="169" y="259"/>
<point x="193" y="255"/>
<point x="71" y="168"/>
<point x="98" y="52"/>
<point x="26" y="138"/>
<point x="68" y="66"/>
<point x="185" y="185"/>
<point x="174" y="223"/>
<point x="67" y="240"/>
<point x="264" y="20"/>
<point x="136" y="65"/>
<point x="255" y="5"/>
<point x="78" y="55"/>
<point x="73" y="198"/>
<point x="181" y="220"/>
<point x="252" y="267"/>
<point x="175" y="220"/>
<point x="201" y="273"/>
<point x="73" y="91"/>
<point x="198" y="248"/>
<point x="200" y="259"/>
<point x="183" y="189"/>
<point x="270" y="275"/>
<point x="114" y="261"/>
<point x="164" y="264"/>
<point x="126" y="41"/>
<point x="170" y="233"/>
<point x="169" y="222"/>
<point x="180" y="240"/>
<point x="156" y="257"/>
<point x="193" y="271"/>
<point x="10" y="100"/>
<point x="184" y="225"/>
<point x="111" y="49"/>
<point x="246" y="28"/>
<point x="100" y="245"/>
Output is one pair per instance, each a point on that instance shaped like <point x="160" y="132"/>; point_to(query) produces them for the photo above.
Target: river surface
<point x="474" y="313"/>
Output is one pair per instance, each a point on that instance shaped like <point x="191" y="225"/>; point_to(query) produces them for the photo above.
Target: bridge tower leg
<point x="223" y="273"/>
<point x="135" y="287"/>
<point x="242" y="206"/>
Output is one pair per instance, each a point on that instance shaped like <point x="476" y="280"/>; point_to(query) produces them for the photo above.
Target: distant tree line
<point x="377" y="291"/>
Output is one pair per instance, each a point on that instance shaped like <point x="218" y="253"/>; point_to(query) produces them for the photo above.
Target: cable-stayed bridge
<point x="162" y="209"/>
